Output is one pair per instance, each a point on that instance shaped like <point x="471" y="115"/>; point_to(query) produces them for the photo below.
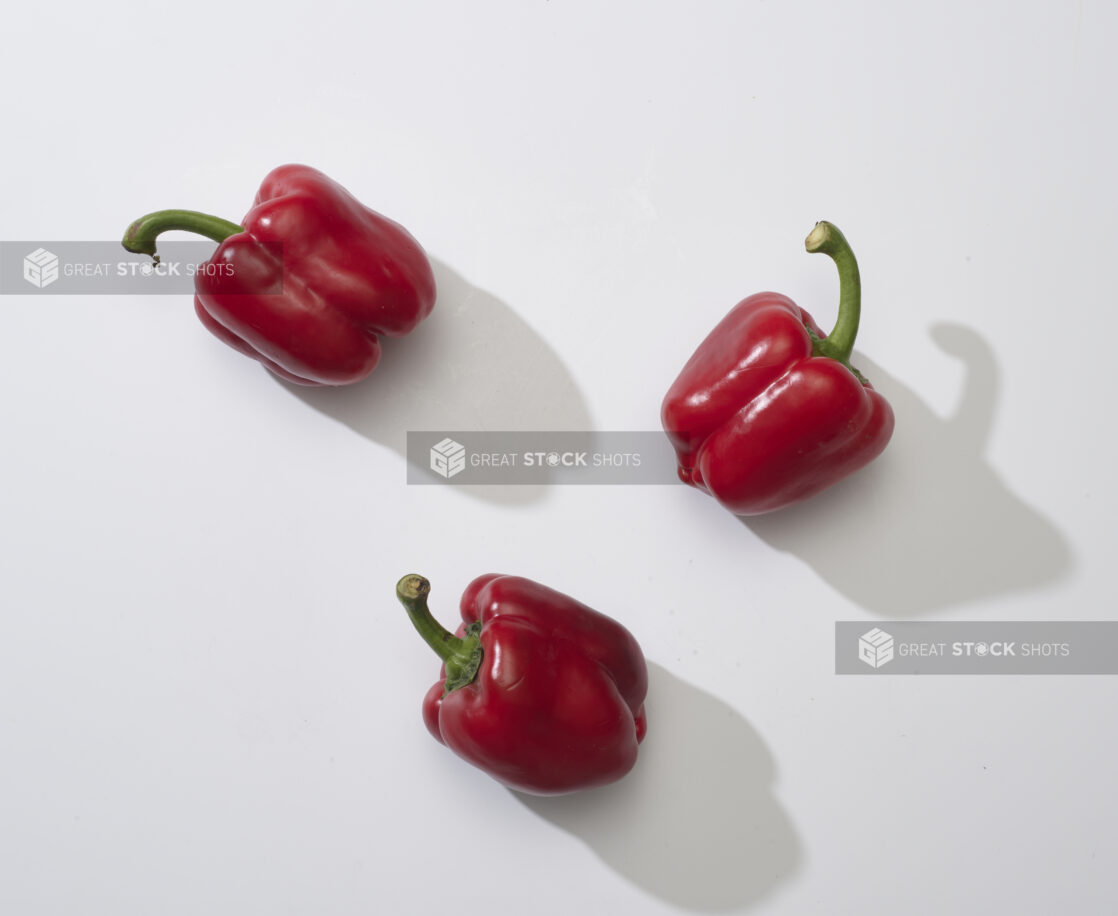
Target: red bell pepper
<point x="769" y="411"/>
<point x="308" y="282"/>
<point x="539" y="691"/>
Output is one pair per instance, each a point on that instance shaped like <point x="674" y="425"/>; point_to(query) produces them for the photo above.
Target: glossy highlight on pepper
<point x="769" y="411"/>
<point x="308" y="282"/>
<point x="541" y="692"/>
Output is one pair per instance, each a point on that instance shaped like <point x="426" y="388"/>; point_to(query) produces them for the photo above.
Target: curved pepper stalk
<point x="461" y="656"/>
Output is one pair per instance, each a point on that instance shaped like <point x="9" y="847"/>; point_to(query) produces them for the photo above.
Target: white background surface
<point x="209" y="698"/>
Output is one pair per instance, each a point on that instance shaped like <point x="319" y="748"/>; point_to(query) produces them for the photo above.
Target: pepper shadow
<point x="473" y="364"/>
<point x="695" y="823"/>
<point x="930" y="524"/>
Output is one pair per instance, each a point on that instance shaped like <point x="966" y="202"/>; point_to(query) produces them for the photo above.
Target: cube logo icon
<point x="875" y="648"/>
<point x="40" y="268"/>
<point x="448" y="458"/>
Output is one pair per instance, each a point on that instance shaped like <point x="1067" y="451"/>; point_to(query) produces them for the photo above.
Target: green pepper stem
<point x="141" y="235"/>
<point x="839" y="344"/>
<point x="460" y="655"/>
